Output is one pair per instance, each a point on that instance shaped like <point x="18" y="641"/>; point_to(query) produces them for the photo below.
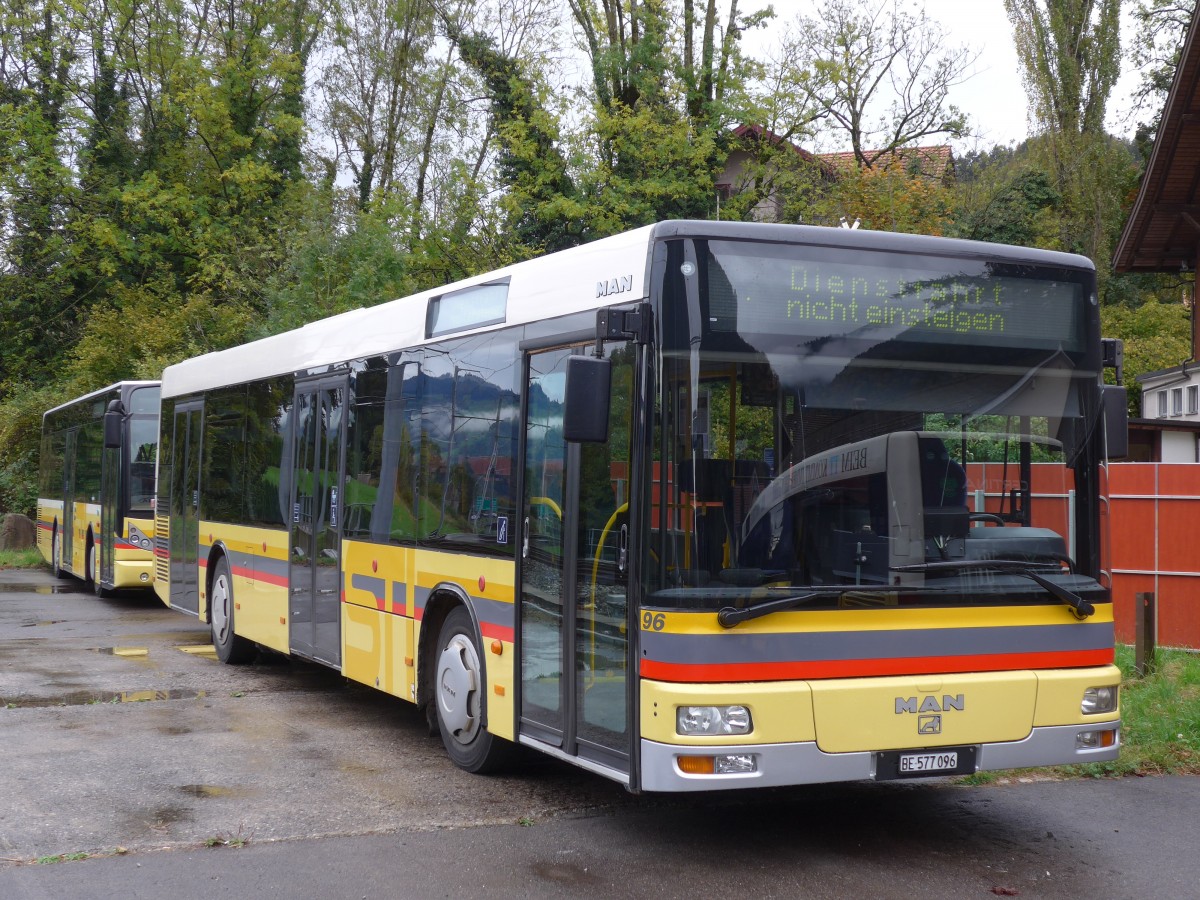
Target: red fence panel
<point x="1154" y="528"/>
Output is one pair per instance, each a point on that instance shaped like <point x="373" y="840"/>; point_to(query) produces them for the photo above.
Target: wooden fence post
<point x="1144" y="646"/>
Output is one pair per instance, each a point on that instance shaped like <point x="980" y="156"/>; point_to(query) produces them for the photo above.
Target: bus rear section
<point x="873" y="541"/>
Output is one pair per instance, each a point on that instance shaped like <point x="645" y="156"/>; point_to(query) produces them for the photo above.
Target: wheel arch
<point x="443" y="599"/>
<point x="216" y="553"/>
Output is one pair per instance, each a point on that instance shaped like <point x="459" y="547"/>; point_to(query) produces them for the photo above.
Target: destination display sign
<point x="874" y="300"/>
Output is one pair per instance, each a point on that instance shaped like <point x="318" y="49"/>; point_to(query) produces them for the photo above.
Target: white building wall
<point x="1179" y="447"/>
<point x="1174" y="396"/>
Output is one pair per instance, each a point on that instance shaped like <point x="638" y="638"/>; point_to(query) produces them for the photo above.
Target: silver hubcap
<point x="220" y="608"/>
<point x="458" y="688"/>
<point x="92" y="567"/>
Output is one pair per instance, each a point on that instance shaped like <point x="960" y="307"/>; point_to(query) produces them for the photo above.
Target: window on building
<point x="1162" y="404"/>
<point x="1177" y="401"/>
<point x="1193" y="404"/>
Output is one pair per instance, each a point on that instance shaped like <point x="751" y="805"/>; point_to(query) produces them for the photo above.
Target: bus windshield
<point x="143" y="447"/>
<point x="869" y="429"/>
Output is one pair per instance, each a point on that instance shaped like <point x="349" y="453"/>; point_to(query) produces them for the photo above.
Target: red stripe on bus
<point x="500" y="632"/>
<point x="703" y="673"/>
<point x="253" y="575"/>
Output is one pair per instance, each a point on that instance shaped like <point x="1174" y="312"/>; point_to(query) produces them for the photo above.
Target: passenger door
<point x="315" y="576"/>
<point x="574" y="572"/>
<point x="185" y="506"/>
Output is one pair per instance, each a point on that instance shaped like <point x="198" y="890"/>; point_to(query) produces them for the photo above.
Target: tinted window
<point x="467" y="443"/>
<point x="224" y="455"/>
<point x="268" y="405"/>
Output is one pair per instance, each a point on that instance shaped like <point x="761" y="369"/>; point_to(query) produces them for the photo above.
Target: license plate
<point x="912" y="763"/>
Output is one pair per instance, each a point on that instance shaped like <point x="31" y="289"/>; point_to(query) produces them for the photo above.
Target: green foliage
<point x="891" y="197"/>
<point x="1160" y="718"/>
<point x="336" y="260"/>
<point x="1157" y="336"/>
<point x="1011" y="208"/>
<point x="20" y="436"/>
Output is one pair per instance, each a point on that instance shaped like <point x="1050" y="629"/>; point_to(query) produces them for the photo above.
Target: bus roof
<point x="99" y="392"/>
<point x="553" y="285"/>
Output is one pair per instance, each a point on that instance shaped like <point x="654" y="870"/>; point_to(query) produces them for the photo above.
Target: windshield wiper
<point x="1079" y="606"/>
<point x="733" y="615"/>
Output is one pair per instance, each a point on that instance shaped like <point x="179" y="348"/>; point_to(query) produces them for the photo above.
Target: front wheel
<point x="93" y="570"/>
<point x="55" y="555"/>
<point x="231" y="648"/>
<point x="458" y="695"/>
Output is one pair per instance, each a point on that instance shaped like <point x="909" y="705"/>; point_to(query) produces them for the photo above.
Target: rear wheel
<point x="231" y="648"/>
<point x="458" y="693"/>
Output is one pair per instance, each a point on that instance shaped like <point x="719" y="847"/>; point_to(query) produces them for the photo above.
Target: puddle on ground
<point x="94" y="698"/>
<point x="195" y="636"/>
<point x="41" y="589"/>
<point x="47" y="622"/>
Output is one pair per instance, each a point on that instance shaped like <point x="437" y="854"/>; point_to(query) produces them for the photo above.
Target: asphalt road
<point x="133" y="765"/>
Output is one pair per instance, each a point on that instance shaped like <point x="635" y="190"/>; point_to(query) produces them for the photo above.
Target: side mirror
<point x="1116" y="421"/>
<point x="113" y="417"/>
<point x="588" y="390"/>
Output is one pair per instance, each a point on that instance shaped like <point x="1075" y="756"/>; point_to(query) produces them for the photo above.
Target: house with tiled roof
<point x="935" y="162"/>
<point x="745" y="169"/>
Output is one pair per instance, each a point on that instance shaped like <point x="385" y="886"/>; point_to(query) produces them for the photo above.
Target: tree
<point x="1069" y="52"/>
<point x="39" y="309"/>
<point x="1156" y="337"/>
<point x="890" y="196"/>
<point x="1007" y="203"/>
<point x="878" y="77"/>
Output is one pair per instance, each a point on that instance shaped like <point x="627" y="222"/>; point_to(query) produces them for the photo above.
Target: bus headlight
<point x="693" y="720"/>
<point x="1099" y="700"/>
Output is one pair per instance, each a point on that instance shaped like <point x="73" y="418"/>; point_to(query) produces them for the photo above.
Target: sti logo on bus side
<point x="614" y="286"/>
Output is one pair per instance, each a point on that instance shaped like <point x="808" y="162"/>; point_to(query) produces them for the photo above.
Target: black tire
<point x="55" y="554"/>
<point x="93" y="571"/>
<point x="231" y="648"/>
<point x="459" y="692"/>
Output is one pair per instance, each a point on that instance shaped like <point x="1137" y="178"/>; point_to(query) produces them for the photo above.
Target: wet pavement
<point x="132" y="763"/>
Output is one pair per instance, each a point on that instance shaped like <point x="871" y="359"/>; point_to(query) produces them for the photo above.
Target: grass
<point x="1160" y="723"/>
<point x="1160" y="718"/>
<point x="21" y="559"/>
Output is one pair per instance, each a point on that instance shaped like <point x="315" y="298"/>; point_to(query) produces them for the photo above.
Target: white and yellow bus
<point x="95" y="512"/>
<point x="699" y="506"/>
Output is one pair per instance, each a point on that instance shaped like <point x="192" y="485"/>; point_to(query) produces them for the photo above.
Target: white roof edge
<point x="567" y="279"/>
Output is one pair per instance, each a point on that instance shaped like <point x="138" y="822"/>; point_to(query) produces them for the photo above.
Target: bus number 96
<point x="653" y="621"/>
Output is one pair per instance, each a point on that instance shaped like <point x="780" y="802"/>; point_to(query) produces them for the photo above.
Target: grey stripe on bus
<point x="732" y="647"/>
<point x="372" y="585"/>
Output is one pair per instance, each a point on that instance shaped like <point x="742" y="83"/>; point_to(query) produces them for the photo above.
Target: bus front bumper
<point x="130" y="573"/>
<point x="778" y="765"/>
